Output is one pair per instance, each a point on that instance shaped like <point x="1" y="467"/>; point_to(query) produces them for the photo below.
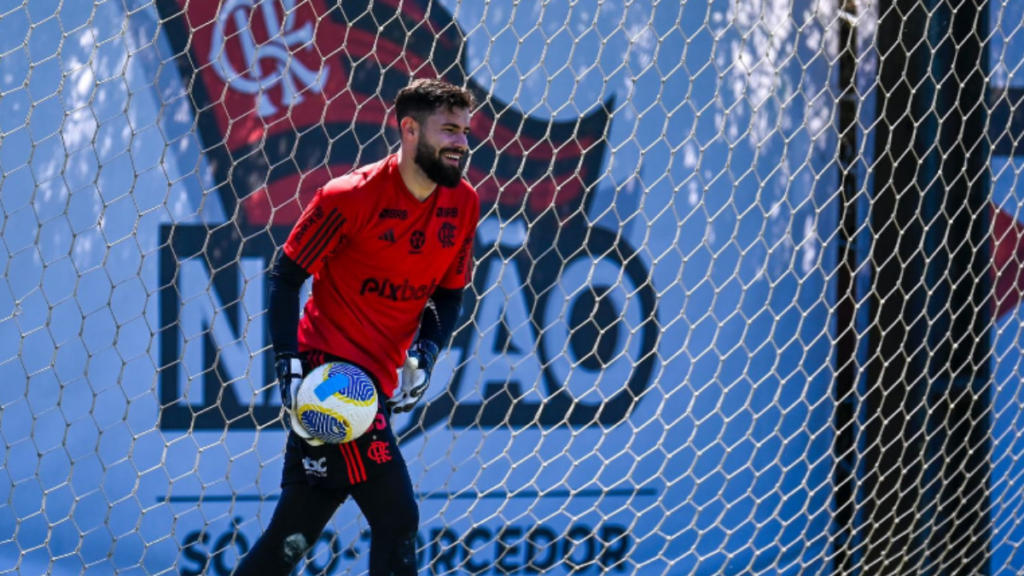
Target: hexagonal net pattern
<point x="746" y="290"/>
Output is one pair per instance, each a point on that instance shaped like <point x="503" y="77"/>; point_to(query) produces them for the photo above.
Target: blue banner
<point x="641" y="383"/>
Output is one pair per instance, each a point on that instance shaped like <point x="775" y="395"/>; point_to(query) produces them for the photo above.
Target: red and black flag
<point x="291" y="93"/>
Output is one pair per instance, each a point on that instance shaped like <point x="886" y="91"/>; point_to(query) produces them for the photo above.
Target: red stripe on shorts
<point x="349" y="466"/>
<point x="359" y="460"/>
<point x="354" y="475"/>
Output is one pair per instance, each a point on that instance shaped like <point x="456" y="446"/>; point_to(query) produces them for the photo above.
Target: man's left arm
<point x="439" y="318"/>
<point x="437" y="324"/>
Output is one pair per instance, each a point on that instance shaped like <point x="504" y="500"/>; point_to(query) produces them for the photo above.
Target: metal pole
<point x="845" y="419"/>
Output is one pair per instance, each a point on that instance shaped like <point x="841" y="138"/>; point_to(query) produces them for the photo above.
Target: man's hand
<point x="289" y="378"/>
<point x="414" y="376"/>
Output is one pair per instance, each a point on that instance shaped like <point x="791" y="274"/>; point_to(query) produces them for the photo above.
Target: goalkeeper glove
<point x="289" y="378"/>
<point x="414" y="376"/>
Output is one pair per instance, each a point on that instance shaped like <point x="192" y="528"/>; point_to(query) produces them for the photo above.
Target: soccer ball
<point x="337" y="402"/>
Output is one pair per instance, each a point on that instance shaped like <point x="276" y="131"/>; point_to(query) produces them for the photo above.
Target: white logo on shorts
<point x="316" y="468"/>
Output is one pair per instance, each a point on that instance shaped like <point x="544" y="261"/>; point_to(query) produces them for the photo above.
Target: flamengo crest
<point x="253" y="75"/>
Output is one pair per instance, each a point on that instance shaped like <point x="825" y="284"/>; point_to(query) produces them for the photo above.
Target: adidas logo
<point x="388" y="236"/>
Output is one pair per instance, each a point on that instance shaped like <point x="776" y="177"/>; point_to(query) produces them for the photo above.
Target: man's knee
<point x="294" y="548"/>
<point x="404" y="559"/>
<point x="399" y="533"/>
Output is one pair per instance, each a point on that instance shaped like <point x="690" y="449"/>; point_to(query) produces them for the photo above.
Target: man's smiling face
<point x="443" y="146"/>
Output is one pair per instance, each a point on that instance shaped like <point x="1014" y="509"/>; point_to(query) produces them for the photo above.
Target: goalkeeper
<point x="390" y="249"/>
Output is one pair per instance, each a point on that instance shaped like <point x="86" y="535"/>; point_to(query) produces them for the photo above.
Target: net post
<point x="959" y="431"/>
<point x="927" y="466"/>
<point x="847" y="369"/>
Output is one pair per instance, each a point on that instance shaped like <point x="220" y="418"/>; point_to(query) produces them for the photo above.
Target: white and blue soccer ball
<point x="337" y="402"/>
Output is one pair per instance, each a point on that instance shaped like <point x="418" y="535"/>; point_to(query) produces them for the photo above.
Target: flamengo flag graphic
<point x="288" y="94"/>
<point x="291" y="93"/>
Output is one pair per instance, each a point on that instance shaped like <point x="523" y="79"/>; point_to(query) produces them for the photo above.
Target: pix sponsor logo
<point x="394" y="214"/>
<point x="391" y="290"/>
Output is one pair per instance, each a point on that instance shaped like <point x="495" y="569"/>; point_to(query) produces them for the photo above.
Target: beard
<point x="433" y="165"/>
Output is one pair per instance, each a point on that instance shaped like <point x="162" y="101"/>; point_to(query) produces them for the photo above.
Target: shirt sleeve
<point x="324" y="223"/>
<point x="460" y="272"/>
<point x="440" y="316"/>
<point x="285" y="283"/>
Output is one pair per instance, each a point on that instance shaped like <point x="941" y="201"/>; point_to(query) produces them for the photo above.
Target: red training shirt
<point x="376" y="254"/>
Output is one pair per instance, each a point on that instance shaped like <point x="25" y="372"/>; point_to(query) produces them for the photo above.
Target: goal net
<point x="746" y="298"/>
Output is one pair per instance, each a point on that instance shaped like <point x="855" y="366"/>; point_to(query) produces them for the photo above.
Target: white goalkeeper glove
<point x="289" y="378"/>
<point x="414" y="376"/>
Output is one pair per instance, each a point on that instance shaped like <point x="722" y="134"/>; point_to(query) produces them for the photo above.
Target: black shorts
<point x="341" y="466"/>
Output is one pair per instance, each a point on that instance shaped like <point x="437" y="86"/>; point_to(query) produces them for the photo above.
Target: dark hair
<point x="423" y="97"/>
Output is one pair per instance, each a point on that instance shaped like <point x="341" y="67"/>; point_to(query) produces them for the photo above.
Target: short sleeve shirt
<point x="376" y="254"/>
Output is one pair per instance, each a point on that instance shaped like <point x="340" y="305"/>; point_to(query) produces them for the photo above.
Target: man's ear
<point x="410" y="127"/>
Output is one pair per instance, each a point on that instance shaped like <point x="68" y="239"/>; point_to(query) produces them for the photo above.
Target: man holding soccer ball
<point x="390" y="249"/>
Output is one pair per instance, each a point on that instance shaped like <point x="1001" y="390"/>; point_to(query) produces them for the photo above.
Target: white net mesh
<point x="730" y="257"/>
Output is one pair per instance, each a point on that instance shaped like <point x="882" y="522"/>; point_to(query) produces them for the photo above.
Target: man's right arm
<point x="286" y="280"/>
<point x="312" y="241"/>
